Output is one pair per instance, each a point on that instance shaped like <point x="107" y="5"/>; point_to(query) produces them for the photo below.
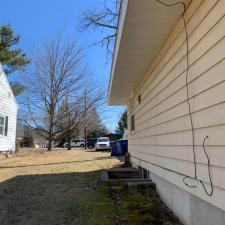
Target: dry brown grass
<point x="29" y="161"/>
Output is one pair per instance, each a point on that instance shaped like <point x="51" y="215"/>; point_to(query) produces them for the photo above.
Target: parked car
<point x="75" y="143"/>
<point x="91" y="142"/>
<point x="103" y="143"/>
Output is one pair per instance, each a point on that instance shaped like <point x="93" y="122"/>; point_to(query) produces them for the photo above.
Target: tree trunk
<point x="51" y="127"/>
<point x="50" y="142"/>
<point x="69" y="142"/>
<point x="50" y="137"/>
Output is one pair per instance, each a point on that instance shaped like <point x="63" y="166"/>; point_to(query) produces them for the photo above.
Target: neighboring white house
<point x="8" y="115"/>
<point x="169" y="69"/>
<point x="31" y="136"/>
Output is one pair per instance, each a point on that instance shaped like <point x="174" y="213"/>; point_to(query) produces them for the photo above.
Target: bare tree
<point x="70" y="120"/>
<point x="57" y="72"/>
<point x="104" y="19"/>
<point x="95" y="128"/>
<point x="76" y="116"/>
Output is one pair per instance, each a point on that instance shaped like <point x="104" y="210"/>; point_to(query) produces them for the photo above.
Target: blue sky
<point x="36" y="20"/>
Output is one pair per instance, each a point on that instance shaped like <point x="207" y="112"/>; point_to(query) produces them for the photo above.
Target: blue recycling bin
<point x="113" y="147"/>
<point x="119" y="148"/>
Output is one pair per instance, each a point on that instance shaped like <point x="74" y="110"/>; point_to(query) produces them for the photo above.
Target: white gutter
<point x="120" y="26"/>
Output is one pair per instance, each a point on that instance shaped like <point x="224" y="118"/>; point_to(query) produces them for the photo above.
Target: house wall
<point x="8" y="107"/>
<point x="39" y="141"/>
<point x="162" y="140"/>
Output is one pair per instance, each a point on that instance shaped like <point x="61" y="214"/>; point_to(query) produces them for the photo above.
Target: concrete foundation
<point x="190" y="209"/>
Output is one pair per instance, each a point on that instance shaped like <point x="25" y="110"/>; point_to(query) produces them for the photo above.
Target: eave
<point x="143" y="27"/>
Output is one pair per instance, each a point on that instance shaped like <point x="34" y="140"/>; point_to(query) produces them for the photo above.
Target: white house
<point x="8" y="115"/>
<point x="169" y="69"/>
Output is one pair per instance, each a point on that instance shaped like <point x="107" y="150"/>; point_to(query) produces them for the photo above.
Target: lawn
<point x="63" y="188"/>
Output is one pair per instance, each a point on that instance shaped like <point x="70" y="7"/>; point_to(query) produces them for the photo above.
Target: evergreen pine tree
<point x="122" y="124"/>
<point x="11" y="58"/>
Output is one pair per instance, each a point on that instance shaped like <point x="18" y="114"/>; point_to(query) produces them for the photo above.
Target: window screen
<point x="6" y="125"/>
<point x="2" y="121"/>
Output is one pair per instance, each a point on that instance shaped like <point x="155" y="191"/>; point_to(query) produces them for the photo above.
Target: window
<point x="6" y="125"/>
<point x="103" y="140"/>
<point x="2" y="125"/>
<point x="132" y="117"/>
<point x="139" y="99"/>
<point x="132" y="123"/>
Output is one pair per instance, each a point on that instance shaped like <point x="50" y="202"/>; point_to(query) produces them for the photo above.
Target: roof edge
<point x="120" y="26"/>
<point x="2" y="73"/>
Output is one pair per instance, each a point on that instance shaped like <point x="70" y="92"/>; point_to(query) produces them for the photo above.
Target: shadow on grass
<point x="54" y="199"/>
<point x="76" y="199"/>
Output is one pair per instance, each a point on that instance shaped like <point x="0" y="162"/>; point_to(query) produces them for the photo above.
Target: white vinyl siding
<point x="8" y="111"/>
<point x="163" y="133"/>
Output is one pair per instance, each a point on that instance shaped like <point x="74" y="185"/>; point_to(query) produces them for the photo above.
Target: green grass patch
<point x="97" y="207"/>
<point x="93" y="207"/>
<point x="146" y="209"/>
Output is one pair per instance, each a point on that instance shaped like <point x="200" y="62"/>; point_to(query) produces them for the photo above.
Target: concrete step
<point x="128" y="177"/>
<point x="141" y="184"/>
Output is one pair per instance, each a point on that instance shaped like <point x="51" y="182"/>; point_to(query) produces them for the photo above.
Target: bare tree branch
<point x="105" y="19"/>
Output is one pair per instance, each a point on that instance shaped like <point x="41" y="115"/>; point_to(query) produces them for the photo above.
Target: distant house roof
<point x="143" y="26"/>
<point x="26" y="131"/>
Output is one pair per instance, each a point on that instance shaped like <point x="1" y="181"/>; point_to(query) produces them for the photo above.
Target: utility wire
<point x="190" y="116"/>
<point x="209" y="193"/>
<point x="182" y="174"/>
<point x="173" y="4"/>
<point x="188" y="100"/>
<point x="210" y="177"/>
<point x="187" y="87"/>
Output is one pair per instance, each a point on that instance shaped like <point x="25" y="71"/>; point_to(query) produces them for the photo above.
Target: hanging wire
<point x="209" y="172"/>
<point x="189" y="185"/>
<point x="187" y="88"/>
<point x="173" y="4"/>
<point x="190" y="115"/>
